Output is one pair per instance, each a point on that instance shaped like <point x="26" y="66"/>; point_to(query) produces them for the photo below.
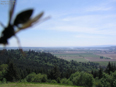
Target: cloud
<point x="83" y="22"/>
<point x="92" y="36"/>
<point x="94" y="24"/>
<point x="97" y="8"/>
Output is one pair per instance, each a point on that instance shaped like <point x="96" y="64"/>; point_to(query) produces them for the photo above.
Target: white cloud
<point x="95" y="24"/>
<point x="97" y="8"/>
<point x="91" y="36"/>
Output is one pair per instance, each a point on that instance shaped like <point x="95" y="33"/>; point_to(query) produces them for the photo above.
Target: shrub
<point x="23" y="80"/>
<point x="4" y="80"/>
<point x="40" y="78"/>
<point x="114" y="83"/>
<point x="53" y="81"/>
<point x="82" y="79"/>
<point x="30" y="77"/>
<point x="66" y="81"/>
<point x="98" y="84"/>
<point x="105" y="83"/>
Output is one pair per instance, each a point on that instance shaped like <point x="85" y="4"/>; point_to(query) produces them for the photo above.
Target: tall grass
<point x="34" y="85"/>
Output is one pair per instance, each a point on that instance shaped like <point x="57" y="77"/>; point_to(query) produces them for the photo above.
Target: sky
<point x="71" y="23"/>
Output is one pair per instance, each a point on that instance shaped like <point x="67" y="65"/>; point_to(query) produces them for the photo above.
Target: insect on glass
<point x="22" y="21"/>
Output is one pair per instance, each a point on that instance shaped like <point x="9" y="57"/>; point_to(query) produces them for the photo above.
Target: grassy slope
<point x="33" y="85"/>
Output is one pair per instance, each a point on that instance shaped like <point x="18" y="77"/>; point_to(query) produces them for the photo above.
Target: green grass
<point x="34" y="85"/>
<point x="76" y="55"/>
<point x="78" y="59"/>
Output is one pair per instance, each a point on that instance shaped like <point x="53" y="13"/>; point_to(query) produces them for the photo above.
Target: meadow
<point x="88" y="55"/>
<point x="80" y="57"/>
<point x="34" y="85"/>
<point x="105" y="63"/>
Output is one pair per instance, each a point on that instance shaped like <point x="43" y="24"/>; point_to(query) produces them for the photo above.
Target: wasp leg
<point x="20" y="48"/>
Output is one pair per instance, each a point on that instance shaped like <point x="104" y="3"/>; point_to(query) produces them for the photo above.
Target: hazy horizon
<point x="58" y="46"/>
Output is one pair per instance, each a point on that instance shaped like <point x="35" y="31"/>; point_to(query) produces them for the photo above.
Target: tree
<point x="100" y="73"/>
<point x="3" y="70"/>
<point x="55" y="73"/>
<point x="12" y="72"/>
<point x="106" y="80"/>
<point x="101" y="57"/>
<point x="109" y="68"/>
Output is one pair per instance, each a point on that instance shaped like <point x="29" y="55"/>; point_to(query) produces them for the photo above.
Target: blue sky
<point x="72" y="23"/>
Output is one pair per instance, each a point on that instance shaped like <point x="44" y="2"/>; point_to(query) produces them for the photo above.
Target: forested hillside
<point x="40" y="62"/>
<point x="31" y="66"/>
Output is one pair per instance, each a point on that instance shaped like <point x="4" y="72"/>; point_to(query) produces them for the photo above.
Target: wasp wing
<point x="30" y="22"/>
<point x="23" y="17"/>
<point x="12" y="6"/>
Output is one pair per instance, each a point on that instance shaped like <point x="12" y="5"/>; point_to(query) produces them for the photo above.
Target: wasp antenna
<point x="2" y="25"/>
<point x="12" y="6"/>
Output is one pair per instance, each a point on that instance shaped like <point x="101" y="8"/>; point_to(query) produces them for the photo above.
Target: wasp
<point x="22" y="21"/>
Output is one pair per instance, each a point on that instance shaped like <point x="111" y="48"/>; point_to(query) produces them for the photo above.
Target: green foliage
<point x="3" y="70"/>
<point x="114" y="75"/>
<point x="98" y="84"/>
<point x="0" y="82"/>
<point x="66" y="81"/>
<point x="40" y="78"/>
<point x="12" y="72"/>
<point x="114" y="83"/>
<point x="114" y="79"/>
<point x="105" y="81"/>
<point x="1" y="75"/>
<point x="82" y="79"/>
<point x="55" y="73"/>
<point x="23" y="80"/>
<point x="3" y="67"/>
<point x="4" y="80"/>
<point x="53" y="81"/>
<point x="48" y="68"/>
<point x="31" y="77"/>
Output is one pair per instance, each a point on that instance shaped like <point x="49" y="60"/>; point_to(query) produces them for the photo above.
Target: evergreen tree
<point x="12" y="72"/>
<point x="100" y="73"/>
<point x="55" y="73"/>
<point x="109" y="68"/>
